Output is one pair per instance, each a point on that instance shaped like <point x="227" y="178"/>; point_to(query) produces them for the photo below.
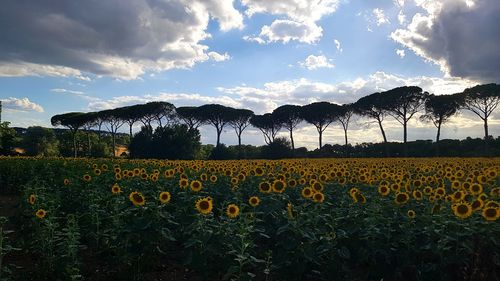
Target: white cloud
<point x="23" y="104"/>
<point x="401" y="18"/>
<point x="17" y="69"/>
<point x="288" y="30"/>
<point x="299" y="23"/>
<point x="299" y="10"/>
<point x="218" y="57"/>
<point x="460" y="36"/>
<point x="337" y="45"/>
<point x="66" y="91"/>
<point x="400" y="53"/>
<point x="143" y="36"/>
<point x="314" y="62"/>
<point x="380" y="17"/>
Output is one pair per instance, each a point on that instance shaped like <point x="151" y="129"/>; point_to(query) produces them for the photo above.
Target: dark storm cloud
<point x="463" y="40"/>
<point x="103" y="37"/>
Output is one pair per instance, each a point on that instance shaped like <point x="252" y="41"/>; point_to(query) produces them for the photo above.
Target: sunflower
<point x="462" y="210"/>
<point x="384" y="190"/>
<point x="137" y="198"/>
<point x="318" y="197"/>
<point x="196" y="186"/>
<point x="264" y="187"/>
<point x="213" y="178"/>
<point x="97" y="172"/>
<point x="66" y="181"/>
<point x="232" y="211"/>
<point x="279" y="186"/>
<point x="116" y="189"/>
<point x="458" y="196"/>
<point x="87" y="177"/>
<point x="183" y="183"/>
<point x="411" y="214"/>
<point x="417" y="194"/>
<point x="254" y="201"/>
<point x="32" y="199"/>
<point x="41" y="213"/>
<point x="491" y="204"/>
<point x="491" y="214"/>
<point x="456" y="185"/>
<point x="307" y="192"/>
<point x="203" y="177"/>
<point x="259" y="171"/>
<point x="118" y="176"/>
<point x="204" y="205"/>
<point x="292" y="183"/>
<point x="165" y="197"/>
<point x="317" y="186"/>
<point x="401" y="198"/>
<point x="234" y="180"/>
<point x="477" y="204"/>
<point x="476" y="189"/>
<point x="359" y="197"/>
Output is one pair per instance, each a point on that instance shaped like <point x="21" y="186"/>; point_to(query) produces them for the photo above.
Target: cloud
<point x="23" y="104"/>
<point x="337" y="45"/>
<point x="218" y="57"/>
<point x="66" y="91"/>
<point x="401" y="18"/>
<point x="288" y="30"/>
<point x="299" y="23"/>
<point x="108" y="37"/>
<point x="400" y="53"/>
<point x="314" y="62"/>
<point x="460" y="36"/>
<point x="380" y="17"/>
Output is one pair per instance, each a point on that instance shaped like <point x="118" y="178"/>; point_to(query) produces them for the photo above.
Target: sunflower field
<point x="307" y="219"/>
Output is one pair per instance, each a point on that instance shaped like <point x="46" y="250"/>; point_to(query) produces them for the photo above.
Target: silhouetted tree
<point x="344" y="116"/>
<point x="73" y="121"/>
<point x="131" y="115"/>
<point x="371" y="106"/>
<point x="402" y="103"/>
<point x="321" y="115"/>
<point x="482" y="100"/>
<point x="156" y="111"/>
<point x="190" y="116"/>
<point x="439" y="109"/>
<point x="113" y="121"/>
<point x="268" y="125"/>
<point x="289" y="116"/>
<point x="216" y="115"/>
<point x="8" y="138"/>
<point x="239" y="119"/>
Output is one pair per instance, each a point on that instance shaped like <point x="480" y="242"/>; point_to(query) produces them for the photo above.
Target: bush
<point x="173" y="142"/>
<point x="279" y="148"/>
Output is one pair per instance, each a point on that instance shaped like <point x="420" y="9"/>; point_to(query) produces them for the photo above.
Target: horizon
<point x="252" y="54"/>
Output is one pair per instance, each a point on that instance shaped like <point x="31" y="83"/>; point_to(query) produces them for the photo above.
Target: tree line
<point x="401" y="103"/>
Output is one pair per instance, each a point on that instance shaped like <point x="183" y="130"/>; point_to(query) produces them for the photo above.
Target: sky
<point x="59" y="56"/>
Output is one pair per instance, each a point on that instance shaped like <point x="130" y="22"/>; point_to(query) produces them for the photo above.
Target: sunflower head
<point x="411" y="214"/>
<point x="66" y="181"/>
<point x="401" y="198"/>
<point x="41" y="213"/>
<point x="232" y="211"/>
<point x="196" y="185"/>
<point x="32" y="199"/>
<point x="116" y="189"/>
<point x="307" y="192"/>
<point x="213" y="178"/>
<point x="137" y="198"/>
<point x="183" y="183"/>
<point x="318" y="197"/>
<point x="265" y="187"/>
<point x="204" y="205"/>
<point x="279" y="186"/>
<point x="87" y="177"/>
<point x="384" y="190"/>
<point x="491" y="214"/>
<point x="165" y="197"/>
<point x="462" y="210"/>
<point x="254" y="201"/>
